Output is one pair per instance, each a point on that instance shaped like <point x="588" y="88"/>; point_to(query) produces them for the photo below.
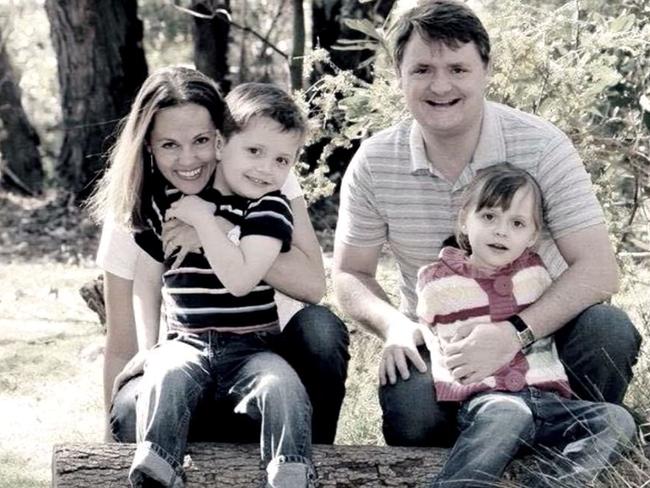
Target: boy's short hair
<point x="448" y="21"/>
<point x="253" y="99"/>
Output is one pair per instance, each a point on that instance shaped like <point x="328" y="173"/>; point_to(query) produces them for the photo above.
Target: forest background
<point x="69" y="71"/>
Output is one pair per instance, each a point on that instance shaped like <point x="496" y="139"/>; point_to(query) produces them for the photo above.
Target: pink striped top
<point x="452" y="293"/>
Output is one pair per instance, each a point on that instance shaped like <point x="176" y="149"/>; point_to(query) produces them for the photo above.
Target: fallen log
<point x="239" y="466"/>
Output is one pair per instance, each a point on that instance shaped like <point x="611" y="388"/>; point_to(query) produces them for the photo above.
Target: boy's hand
<point x="191" y="210"/>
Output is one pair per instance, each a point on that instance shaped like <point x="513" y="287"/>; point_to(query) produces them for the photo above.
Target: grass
<point x="50" y="368"/>
<point x="50" y="372"/>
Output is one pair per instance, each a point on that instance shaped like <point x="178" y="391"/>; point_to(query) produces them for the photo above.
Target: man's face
<point x="443" y="87"/>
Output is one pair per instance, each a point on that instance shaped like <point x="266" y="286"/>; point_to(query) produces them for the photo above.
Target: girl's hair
<point x="118" y="192"/>
<point x="495" y="187"/>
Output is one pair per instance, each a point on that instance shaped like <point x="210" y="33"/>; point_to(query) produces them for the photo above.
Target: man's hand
<point x="401" y="344"/>
<point x="479" y="350"/>
<point x="177" y="235"/>
<point x="191" y="210"/>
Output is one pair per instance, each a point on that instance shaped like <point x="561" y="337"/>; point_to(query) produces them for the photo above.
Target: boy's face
<point x="258" y="159"/>
<point x="499" y="236"/>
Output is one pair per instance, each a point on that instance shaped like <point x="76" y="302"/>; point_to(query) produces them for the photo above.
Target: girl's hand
<point x="177" y="235"/>
<point x="192" y="210"/>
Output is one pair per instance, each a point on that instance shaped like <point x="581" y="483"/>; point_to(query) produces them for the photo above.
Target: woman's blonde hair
<point x="118" y="192"/>
<point x="496" y="186"/>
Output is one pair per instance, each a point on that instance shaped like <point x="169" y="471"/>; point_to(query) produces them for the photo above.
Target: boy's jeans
<point x="181" y="369"/>
<point x="315" y="344"/>
<point x="572" y="439"/>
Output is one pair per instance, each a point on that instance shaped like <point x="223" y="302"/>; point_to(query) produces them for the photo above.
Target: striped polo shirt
<point x="392" y="195"/>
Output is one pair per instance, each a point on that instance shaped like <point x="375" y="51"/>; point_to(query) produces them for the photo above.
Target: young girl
<point x="527" y="403"/>
<point x="221" y="316"/>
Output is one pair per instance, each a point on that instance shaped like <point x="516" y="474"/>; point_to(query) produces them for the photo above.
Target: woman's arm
<point x="132" y="321"/>
<point x="121" y="339"/>
<point x="299" y="273"/>
<point x="147" y="299"/>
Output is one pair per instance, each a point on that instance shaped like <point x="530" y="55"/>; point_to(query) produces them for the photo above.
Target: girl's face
<point x="499" y="236"/>
<point x="182" y="142"/>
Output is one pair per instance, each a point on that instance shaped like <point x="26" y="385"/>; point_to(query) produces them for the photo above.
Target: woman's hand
<point x="192" y="210"/>
<point x="135" y="367"/>
<point x="177" y="235"/>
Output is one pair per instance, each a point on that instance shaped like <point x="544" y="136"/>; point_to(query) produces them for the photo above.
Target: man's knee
<point x="319" y="332"/>
<point x="607" y="328"/>
<point x="413" y="417"/>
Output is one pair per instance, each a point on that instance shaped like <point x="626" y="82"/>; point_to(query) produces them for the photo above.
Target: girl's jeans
<point x="572" y="439"/>
<point x="315" y="344"/>
<point x="180" y="370"/>
<point x="598" y="348"/>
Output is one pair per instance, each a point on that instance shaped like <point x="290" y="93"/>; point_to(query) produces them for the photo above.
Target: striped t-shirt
<point x="392" y="195"/>
<point x="194" y="298"/>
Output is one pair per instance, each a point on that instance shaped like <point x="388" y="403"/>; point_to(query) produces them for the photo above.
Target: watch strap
<point x="524" y="333"/>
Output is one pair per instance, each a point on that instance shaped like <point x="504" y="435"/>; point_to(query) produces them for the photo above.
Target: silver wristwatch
<point x="524" y="333"/>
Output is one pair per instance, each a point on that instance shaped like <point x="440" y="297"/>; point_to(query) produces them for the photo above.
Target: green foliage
<point x="584" y="68"/>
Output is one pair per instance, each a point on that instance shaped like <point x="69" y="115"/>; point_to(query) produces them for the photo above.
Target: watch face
<point x="526" y="337"/>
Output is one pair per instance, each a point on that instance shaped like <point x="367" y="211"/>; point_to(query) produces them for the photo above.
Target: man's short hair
<point x="448" y="21"/>
<point x="253" y="99"/>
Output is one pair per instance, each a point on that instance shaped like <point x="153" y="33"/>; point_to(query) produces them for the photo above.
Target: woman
<point x="313" y="341"/>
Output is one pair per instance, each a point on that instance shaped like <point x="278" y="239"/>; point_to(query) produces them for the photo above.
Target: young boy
<point x="220" y="314"/>
<point x="527" y="403"/>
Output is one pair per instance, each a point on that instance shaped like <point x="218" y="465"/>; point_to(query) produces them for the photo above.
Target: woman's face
<point x="182" y="142"/>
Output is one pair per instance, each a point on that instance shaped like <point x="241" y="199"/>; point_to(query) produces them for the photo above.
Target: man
<point x="403" y="189"/>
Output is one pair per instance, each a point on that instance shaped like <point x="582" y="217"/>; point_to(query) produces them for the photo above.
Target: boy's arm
<point x="239" y="267"/>
<point x="298" y="273"/>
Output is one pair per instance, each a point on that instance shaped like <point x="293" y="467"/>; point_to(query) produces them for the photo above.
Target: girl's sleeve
<point x="270" y="216"/>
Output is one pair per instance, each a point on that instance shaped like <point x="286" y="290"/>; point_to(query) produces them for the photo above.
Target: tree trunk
<point x="101" y="65"/>
<point x="21" y="166"/>
<point x="211" y="38"/>
<point x="239" y="466"/>
<point x="298" y="49"/>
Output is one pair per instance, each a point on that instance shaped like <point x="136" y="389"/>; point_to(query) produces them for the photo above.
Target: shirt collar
<point x="490" y="150"/>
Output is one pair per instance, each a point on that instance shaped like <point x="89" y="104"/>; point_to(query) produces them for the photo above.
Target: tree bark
<point x="101" y="65"/>
<point x="211" y="38"/>
<point x="239" y="466"/>
<point x="21" y="166"/>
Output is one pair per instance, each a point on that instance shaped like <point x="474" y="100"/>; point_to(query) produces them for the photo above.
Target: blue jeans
<point x="572" y="440"/>
<point x="181" y="369"/>
<point x="598" y="348"/>
<point x="314" y="342"/>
